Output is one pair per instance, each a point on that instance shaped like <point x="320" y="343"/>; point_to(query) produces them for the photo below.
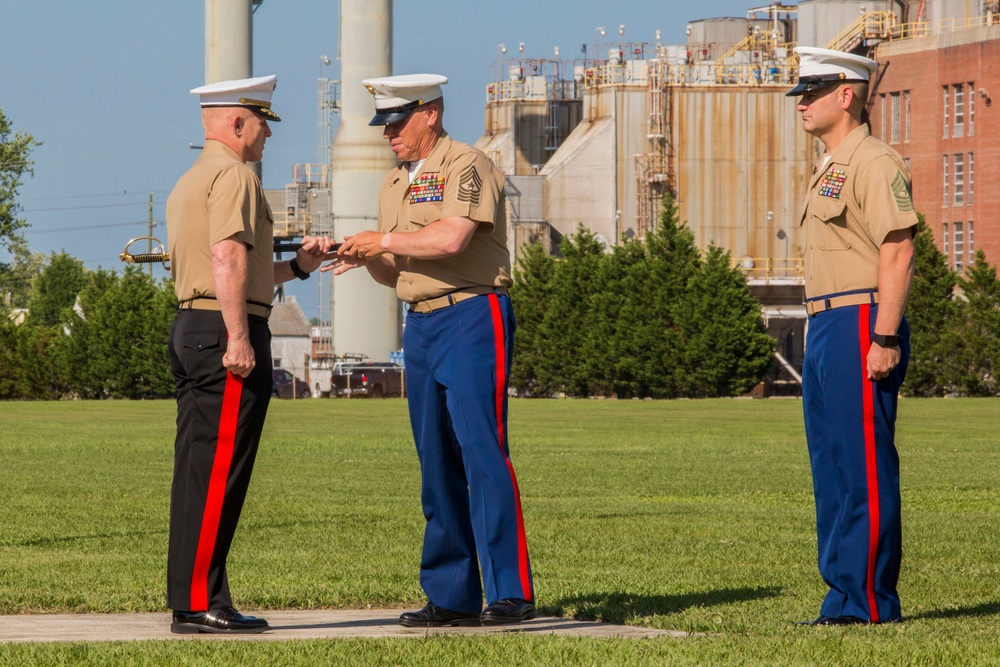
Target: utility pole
<point x="149" y="241"/>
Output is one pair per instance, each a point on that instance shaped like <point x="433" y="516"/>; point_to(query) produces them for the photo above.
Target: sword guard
<point x="146" y="257"/>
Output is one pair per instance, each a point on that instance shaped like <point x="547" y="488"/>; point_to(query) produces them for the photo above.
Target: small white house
<point x="290" y="337"/>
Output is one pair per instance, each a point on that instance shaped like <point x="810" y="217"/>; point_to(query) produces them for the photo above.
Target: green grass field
<point x="686" y="515"/>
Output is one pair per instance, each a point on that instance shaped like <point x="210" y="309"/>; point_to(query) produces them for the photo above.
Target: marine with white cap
<point x="442" y="244"/>
<point x="859" y="226"/>
<point x="219" y="229"/>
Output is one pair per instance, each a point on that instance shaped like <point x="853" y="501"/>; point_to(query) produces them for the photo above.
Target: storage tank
<point x="820" y="21"/>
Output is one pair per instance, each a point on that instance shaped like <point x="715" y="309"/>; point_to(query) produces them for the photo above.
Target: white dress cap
<point x="397" y="96"/>
<point x="819" y="68"/>
<point x="252" y="93"/>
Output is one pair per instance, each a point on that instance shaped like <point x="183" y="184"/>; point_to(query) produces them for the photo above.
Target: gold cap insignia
<point x="255" y="103"/>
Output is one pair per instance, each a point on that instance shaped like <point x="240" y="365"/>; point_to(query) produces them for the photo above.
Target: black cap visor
<point x="807" y="84"/>
<point x="394" y="114"/>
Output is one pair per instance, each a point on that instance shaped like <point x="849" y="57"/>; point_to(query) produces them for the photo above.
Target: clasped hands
<point x="355" y="251"/>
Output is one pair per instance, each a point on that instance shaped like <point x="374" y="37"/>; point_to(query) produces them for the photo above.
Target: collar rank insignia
<point x="832" y="183"/>
<point x="427" y="187"/>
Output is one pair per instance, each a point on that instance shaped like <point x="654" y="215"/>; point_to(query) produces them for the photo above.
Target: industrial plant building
<point x="597" y="142"/>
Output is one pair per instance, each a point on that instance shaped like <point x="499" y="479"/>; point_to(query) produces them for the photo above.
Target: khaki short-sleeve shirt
<point x="855" y="199"/>
<point x="455" y="180"/>
<point x="218" y="197"/>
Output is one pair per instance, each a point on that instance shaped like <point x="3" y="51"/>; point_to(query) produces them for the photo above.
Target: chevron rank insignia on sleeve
<point x="904" y="203"/>
<point x="470" y="186"/>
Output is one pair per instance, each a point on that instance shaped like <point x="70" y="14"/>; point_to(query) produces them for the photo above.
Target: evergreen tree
<point x="618" y="315"/>
<point x="15" y="163"/>
<point x="646" y="280"/>
<point x="37" y="369"/>
<point x="726" y="349"/>
<point x="974" y="345"/>
<point x="674" y="262"/>
<point x="118" y="346"/>
<point x="563" y="332"/>
<point x="930" y="311"/>
<point x="54" y="291"/>
<point x="17" y="275"/>
<point x="10" y="364"/>
<point x="530" y="297"/>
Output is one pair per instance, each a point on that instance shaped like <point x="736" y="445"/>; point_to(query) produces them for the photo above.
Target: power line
<point x="124" y="193"/>
<point x="76" y="208"/>
<point x="77" y="229"/>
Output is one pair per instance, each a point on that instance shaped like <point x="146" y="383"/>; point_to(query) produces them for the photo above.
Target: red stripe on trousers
<point x="228" y="421"/>
<point x="871" y="464"/>
<point x="501" y="386"/>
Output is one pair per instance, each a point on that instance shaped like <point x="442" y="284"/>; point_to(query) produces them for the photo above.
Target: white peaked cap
<point x="397" y="96"/>
<point x="252" y="93"/>
<point x="819" y="68"/>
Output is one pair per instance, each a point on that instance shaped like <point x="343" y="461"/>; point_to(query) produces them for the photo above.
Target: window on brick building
<point x="906" y="161"/>
<point x="959" y="109"/>
<point x="958" y="245"/>
<point x="947" y="99"/>
<point x="972" y="246"/>
<point x="958" y="180"/>
<point x="944" y="238"/>
<point x="969" y="190"/>
<point x="894" y="100"/>
<point x="944" y="184"/>
<point x="882" y="116"/>
<point x="972" y="108"/>
<point x="906" y="116"/>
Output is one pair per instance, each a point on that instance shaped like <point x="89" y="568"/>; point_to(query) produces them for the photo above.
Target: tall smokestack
<point x="228" y="40"/>
<point x="365" y="314"/>
<point x="229" y="44"/>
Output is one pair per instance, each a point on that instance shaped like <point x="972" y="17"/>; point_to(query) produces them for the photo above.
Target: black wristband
<point x="885" y="341"/>
<point x="293" y="264"/>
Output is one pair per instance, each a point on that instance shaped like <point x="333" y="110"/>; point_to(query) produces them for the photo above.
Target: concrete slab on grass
<point x="285" y="625"/>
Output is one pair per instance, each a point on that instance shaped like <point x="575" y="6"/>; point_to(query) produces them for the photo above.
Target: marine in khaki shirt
<point x="220" y="242"/>
<point x="455" y="180"/>
<point x="442" y="244"/>
<point x="858" y="196"/>
<point x="218" y="198"/>
<point x="859" y="224"/>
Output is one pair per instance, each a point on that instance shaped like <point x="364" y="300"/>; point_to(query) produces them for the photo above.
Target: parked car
<point x="286" y="385"/>
<point x="372" y="379"/>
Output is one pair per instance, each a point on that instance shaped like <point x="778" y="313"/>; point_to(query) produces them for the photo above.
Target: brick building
<point x="933" y="102"/>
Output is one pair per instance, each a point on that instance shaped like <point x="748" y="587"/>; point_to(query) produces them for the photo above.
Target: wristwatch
<point x="293" y="264"/>
<point x="885" y="341"/>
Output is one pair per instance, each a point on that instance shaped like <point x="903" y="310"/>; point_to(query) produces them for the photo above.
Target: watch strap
<point x="886" y="340"/>
<point x="293" y="264"/>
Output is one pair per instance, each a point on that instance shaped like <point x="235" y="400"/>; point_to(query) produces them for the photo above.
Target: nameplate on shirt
<point x="427" y="187"/>
<point x="832" y="183"/>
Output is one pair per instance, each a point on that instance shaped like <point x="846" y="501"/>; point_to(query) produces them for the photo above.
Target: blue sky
<point x="104" y="85"/>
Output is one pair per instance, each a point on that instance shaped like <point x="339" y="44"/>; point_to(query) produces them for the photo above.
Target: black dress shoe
<point x="224" y="620"/>
<point x="836" y="620"/>
<point x="433" y="616"/>
<point x="509" y="610"/>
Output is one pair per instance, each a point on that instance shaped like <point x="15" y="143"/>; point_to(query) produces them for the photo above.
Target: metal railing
<point x="868" y="26"/>
<point x="941" y="26"/>
<point x="287" y="226"/>
<point x="772" y="269"/>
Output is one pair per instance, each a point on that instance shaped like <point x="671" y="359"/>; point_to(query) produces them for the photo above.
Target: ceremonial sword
<point x="162" y="255"/>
